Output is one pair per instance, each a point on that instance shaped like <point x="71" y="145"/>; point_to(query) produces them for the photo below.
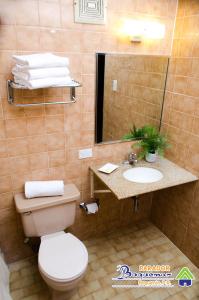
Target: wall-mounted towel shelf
<point x="11" y="86"/>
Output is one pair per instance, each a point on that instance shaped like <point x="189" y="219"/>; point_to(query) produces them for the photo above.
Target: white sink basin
<point x="142" y="175"/>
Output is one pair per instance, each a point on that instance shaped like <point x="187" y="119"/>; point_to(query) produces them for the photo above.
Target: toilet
<point x="62" y="257"/>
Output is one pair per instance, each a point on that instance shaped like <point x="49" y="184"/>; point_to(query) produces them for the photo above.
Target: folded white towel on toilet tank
<point x="34" y="189"/>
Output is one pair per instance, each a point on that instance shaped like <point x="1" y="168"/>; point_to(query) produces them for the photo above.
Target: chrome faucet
<point x="132" y="158"/>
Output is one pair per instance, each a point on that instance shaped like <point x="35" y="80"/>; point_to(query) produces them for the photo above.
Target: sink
<point x="143" y="175"/>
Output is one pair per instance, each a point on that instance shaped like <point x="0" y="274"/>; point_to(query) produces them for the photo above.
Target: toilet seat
<point x="62" y="257"/>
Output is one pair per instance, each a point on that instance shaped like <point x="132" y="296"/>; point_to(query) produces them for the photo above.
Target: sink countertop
<point x="122" y="188"/>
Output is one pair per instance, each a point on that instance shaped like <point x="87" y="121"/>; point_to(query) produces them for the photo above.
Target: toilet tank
<point x="46" y="215"/>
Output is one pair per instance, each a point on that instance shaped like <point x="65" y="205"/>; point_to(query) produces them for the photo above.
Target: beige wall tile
<point x="2" y="129"/>
<point x="182" y="129"/>
<point x="190" y="26"/>
<point x="39" y="161"/>
<point x="55" y="141"/>
<point x="1" y="110"/>
<point x="8" y="12"/>
<point x="57" y="173"/>
<point x="16" y="128"/>
<point x="56" y="158"/>
<point x="67" y="19"/>
<point x="37" y="143"/>
<point x="52" y="110"/>
<point x="54" y="124"/>
<point x="50" y="40"/>
<point x="184" y="104"/>
<point x="184" y="66"/>
<point x="191" y="8"/>
<point x="27" y="38"/>
<point x="186" y="47"/>
<point x="46" y="11"/>
<point x="180" y="84"/>
<point x="5" y="166"/>
<point x="11" y="112"/>
<point x="19" y="164"/>
<point x="36" y="126"/>
<point x="192" y="87"/>
<point x="71" y="125"/>
<point x="195" y="48"/>
<point x="5" y="184"/>
<point x="27" y="12"/>
<point x="196" y="126"/>
<point x="43" y="142"/>
<point x="18" y="146"/>
<point x="33" y="111"/>
<point x="191" y="246"/>
<point x="19" y="179"/>
<point x="7" y="37"/>
<point x="3" y="149"/>
<point x="6" y="200"/>
<point x="40" y="174"/>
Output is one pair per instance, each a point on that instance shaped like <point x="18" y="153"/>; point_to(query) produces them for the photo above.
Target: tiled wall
<point x="139" y="98"/>
<point x="176" y="211"/>
<point x="43" y="143"/>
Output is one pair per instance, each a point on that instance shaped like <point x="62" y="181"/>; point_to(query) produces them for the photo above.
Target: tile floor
<point x="140" y="244"/>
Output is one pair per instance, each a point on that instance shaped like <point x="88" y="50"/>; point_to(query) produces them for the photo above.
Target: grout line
<point x="174" y="28"/>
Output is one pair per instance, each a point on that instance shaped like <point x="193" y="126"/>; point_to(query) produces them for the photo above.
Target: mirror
<point x="130" y="91"/>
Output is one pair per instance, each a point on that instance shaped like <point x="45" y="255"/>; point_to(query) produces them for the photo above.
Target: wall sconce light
<point x="137" y="30"/>
<point x="154" y="30"/>
<point x="134" y="30"/>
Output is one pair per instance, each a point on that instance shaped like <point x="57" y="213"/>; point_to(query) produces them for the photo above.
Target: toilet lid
<point x="62" y="257"/>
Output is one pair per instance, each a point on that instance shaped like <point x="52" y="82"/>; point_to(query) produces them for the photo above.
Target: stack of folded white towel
<point x="41" y="70"/>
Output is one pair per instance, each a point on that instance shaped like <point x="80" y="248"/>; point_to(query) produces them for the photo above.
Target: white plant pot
<point x="151" y="157"/>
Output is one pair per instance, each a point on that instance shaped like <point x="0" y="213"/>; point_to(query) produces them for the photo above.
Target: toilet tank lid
<point x="71" y="194"/>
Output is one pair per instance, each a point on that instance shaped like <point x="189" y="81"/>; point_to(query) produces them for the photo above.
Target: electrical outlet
<point x="85" y="153"/>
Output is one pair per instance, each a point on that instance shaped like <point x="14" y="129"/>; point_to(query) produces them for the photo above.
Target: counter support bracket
<point x="136" y="203"/>
<point x="92" y="187"/>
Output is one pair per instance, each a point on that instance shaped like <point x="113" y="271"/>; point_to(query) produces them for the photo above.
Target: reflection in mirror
<point x="129" y="91"/>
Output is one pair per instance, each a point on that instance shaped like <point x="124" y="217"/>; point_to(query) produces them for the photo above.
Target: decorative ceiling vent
<point x="90" y="11"/>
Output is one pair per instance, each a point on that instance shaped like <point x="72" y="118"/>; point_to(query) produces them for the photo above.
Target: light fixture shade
<point x="137" y="30"/>
<point x="154" y="30"/>
<point x="134" y="29"/>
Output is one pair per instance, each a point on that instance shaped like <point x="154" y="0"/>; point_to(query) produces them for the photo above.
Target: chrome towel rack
<point x="11" y="86"/>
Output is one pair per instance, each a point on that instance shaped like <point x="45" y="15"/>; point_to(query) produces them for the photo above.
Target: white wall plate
<point x="90" y="11"/>
<point x="85" y="153"/>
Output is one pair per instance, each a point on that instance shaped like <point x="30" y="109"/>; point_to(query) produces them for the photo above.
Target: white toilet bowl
<point x="62" y="260"/>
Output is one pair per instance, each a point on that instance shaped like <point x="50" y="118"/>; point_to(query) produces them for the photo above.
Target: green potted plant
<point x="134" y="134"/>
<point x="151" y="142"/>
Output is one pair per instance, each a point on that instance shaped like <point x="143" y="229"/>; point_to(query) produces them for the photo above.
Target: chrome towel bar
<point x="11" y="86"/>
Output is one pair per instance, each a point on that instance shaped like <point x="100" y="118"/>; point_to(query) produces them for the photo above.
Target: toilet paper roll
<point x="92" y="208"/>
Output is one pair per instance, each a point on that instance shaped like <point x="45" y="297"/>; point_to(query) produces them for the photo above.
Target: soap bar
<point x="108" y="168"/>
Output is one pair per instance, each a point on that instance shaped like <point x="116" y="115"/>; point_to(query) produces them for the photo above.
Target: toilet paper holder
<point x="85" y="207"/>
